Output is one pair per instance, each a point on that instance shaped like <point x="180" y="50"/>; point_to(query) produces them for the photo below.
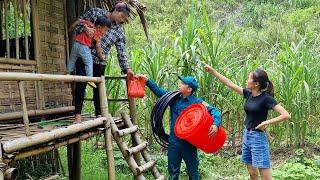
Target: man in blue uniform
<point x="180" y="149"/>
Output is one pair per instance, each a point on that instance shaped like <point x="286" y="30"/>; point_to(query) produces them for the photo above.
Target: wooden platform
<point x="48" y="135"/>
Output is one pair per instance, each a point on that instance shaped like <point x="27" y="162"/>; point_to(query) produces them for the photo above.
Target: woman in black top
<point x="259" y="100"/>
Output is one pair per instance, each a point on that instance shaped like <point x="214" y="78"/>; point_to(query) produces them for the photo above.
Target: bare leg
<point x="254" y="173"/>
<point x="77" y="118"/>
<point x="265" y="173"/>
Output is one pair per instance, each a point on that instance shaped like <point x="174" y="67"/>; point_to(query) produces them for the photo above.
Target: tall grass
<point x="272" y="37"/>
<point x="291" y="64"/>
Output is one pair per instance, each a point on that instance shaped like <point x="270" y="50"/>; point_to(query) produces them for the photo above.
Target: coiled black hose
<point x="157" y="117"/>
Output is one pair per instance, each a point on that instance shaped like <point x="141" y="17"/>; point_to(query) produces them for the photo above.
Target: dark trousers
<point x="98" y="70"/>
<point x="181" y="150"/>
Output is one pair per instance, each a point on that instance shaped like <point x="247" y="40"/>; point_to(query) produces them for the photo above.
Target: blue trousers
<point x="178" y="150"/>
<point x="79" y="50"/>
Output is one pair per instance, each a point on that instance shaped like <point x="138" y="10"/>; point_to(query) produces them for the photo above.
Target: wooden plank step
<point x="136" y="149"/>
<point x="143" y="168"/>
<point x="126" y="131"/>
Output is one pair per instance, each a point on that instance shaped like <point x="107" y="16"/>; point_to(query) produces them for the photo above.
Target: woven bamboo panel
<point x="10" y="98"/>
<point x="53" y="52"/>
<point x="52" y="58"/>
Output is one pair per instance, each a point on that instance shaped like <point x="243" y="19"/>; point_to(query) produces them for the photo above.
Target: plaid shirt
<point x="114" y="36"/>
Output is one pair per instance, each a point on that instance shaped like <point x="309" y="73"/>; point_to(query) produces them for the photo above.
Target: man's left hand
<point x="213" y="130"/>
<point x="130" y="72"/>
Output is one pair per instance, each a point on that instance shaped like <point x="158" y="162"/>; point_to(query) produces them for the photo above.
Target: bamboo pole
<point x="123" y="147"/>
<point x="108" y="77"/>
<point x="1" y="164"/>
<point x="36" y="44"/>
<point x="54" y="177"/>
<point x="6" y="16"/>
<point x="11" y="173"/>
<point x="146" y="167"/>
<point x="1" y="20"/>
<point x="31" y="113"/>
<point x="36" y="91"/>
<point x="1" y="175"/>
<point x="126" y="131"/>
<point x="107" y="134"/>
<point x="26" y="43"/>
<point x="136" y="149"/>
<point x="24" y="108"/>
<point x="15" y="6"/>
<point x="66" y="29"/>
<point x="114" y="100"/>
<point x="40" y="138"/>
<point x="17" y="76"/>
<point x="71" y="17"/>
<point x="36" y="33"/>
<point x="16" y="61"/>
<point x="133" y="115"/>
<point x="44" y="149"/>
<point x="16" y="67"/>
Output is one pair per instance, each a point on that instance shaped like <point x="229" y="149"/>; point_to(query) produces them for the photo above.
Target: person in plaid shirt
<point x="83" y="44"/>
<point x="115" y="36"/>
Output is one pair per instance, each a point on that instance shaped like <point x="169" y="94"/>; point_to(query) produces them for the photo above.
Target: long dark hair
<point x="262" y="78"/>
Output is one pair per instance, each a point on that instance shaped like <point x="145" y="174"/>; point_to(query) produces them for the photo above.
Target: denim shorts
<point x="255" y="149"/>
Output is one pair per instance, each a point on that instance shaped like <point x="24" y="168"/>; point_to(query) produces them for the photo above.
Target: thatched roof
<point x="136" y="7"/>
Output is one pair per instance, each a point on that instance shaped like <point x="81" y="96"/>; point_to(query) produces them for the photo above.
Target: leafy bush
<point x="299" y="167"/>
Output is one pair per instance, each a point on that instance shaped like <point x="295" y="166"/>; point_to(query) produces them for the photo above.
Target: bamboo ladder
<point x="131" y="154"/>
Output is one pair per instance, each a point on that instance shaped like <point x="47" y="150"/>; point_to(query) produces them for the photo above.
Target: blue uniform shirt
<point x="180" y="104"/>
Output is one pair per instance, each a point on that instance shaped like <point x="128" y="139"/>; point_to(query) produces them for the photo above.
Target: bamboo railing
<point x="21" y="143"/>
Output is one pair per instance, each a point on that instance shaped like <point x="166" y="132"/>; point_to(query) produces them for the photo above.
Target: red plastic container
<point x="136" y="87"/>
<point x="193" y="125"/>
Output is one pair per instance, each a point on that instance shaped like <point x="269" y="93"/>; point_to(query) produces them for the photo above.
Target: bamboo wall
<point x="53" y="51"/>
<point x="46" y="53"/>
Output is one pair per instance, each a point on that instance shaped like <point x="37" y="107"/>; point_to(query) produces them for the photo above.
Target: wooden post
<point x="79" y="7"/>
<point x="1" y="20"/>
<point x="76" y="168"/>
<point x="36" y="45"/>
<point x="6" y="16"/>
<point x="70" y="162"/>
<point x="24" y="108"/>
<point x="66" y="29"/>
<point x="71" y="17"/>
<point x="26" y="43"/>
<point x="15" y="6"/>
<point x="107" y="134"/>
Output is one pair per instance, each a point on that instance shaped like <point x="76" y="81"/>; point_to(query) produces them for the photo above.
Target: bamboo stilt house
<point x="34" y="51"/>
<point x="34" y="38"/>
